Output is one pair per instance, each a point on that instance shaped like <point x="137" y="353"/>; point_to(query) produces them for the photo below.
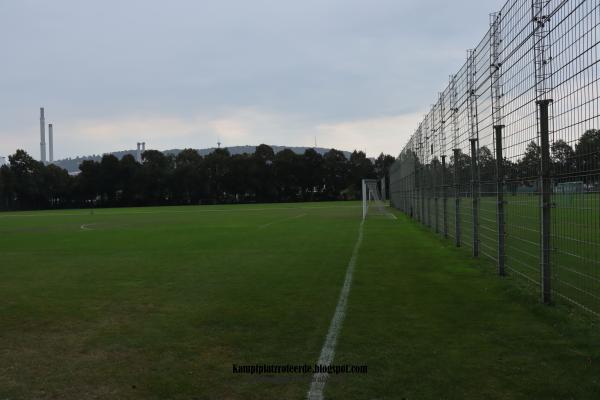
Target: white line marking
<point x="391" y="214"/>
<point x="86" y="227"/>
<point x="328" y="350"/>
<point x="281" y="220"/>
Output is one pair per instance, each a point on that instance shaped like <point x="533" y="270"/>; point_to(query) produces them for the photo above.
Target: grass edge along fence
<point x="507" y="161"/>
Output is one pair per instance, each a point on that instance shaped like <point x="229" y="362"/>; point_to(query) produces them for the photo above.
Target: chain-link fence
<point x="507" y="161"/>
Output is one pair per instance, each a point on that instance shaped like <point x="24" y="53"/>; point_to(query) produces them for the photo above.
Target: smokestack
<point x="42" y="136"/>
<point x="138" y="154"/>
<point x="143" y="147"/>
<point x="50" y="144"/>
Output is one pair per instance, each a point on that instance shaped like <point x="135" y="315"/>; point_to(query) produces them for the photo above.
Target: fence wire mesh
<point x="507" y="161"/>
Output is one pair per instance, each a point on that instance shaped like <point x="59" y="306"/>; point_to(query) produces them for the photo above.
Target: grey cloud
<point x="328" y="61"/>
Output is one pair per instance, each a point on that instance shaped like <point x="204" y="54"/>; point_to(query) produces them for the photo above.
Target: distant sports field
<point x="163" y="303"/>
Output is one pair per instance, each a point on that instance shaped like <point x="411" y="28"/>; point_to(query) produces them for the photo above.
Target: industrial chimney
<point x="138" y="154"/>
<point x="50" y="144"/>
<point x="42" y="136"/>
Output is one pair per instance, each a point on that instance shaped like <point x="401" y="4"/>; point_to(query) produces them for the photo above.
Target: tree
<point x="217" y="167"/>
<point x="238" y="182"/>
<point x="129" y="170"/>
<point x="27" y="174"/>
<point x="109" y="178"/>
<point x="88" y="180"/>
<point x="529" y="165"/>
<point x="463" y="164"/>
<point x="154" y="177"/>
<point x="57" y="185"/>
<point x="587" y="151"/>
<point x="188" y="177"/>
<point x="262" y="173"/>
<point x="360" y="168"/>
<point x="563" y="158"/>
<point x="383" y="164"/>
<point x="487" y="165"/>
<point x="311" y="178"/>
<point x="287" y="171"/>
<point x="7" y="187"/>
<point x="337" y="174"/>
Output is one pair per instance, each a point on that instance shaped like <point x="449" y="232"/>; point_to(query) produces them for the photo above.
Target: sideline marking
<point x="86" y="227"/>
<point x="281" y="220"/>
<point x="328" y="350"/>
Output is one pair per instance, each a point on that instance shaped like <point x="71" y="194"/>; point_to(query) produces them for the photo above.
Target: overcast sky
<point x="187" y="73"/>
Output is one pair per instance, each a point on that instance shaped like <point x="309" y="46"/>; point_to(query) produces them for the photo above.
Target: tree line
<point x="188" y="178"/>
<point x="580" y="163"/>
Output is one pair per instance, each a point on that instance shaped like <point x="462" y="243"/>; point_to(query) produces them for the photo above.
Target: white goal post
<point x="371" y="196"/>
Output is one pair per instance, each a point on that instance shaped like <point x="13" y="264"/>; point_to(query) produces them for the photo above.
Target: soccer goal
<point x="568" y="192"/>
<point x="372" y="200"/>
<point x="570" y="187"/>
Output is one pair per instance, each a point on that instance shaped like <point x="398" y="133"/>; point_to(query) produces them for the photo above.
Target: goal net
<point x="569" y="187"/>
<point x="568" y="192"/>
<point x="373" y="203"/>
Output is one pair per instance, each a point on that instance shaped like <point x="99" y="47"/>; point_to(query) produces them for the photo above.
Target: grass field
<point x="575" y="240"/>
<point x="159" y="303"/>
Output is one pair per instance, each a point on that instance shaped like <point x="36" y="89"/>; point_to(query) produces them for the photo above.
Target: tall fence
<point x="506" y="163"/>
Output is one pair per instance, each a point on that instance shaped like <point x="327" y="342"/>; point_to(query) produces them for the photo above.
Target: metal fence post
<point x="543" y="87"/>
<point x="418" y="196"/>
<point x="444" y="199"/>
<point x="474" y="140"/>
<point x="422" y="192"/>
<point x="435" y="198"/>
<point x="425" y="196"/>
<point x="500" y="199"/>
<point x="415" y="190"/>
<point x="546" y="189"/>
<point x="456" y="196"/>
<point x="497" y="108"/>
<point x="415" y="193"/>
<point x="475" y="196"/>
<point x="428" y="194"/>
<point x="410" y="192"/>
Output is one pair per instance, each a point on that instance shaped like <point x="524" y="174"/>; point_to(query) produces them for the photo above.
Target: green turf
<point x="575" y="240"/>
<point x="158" y="303"/>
